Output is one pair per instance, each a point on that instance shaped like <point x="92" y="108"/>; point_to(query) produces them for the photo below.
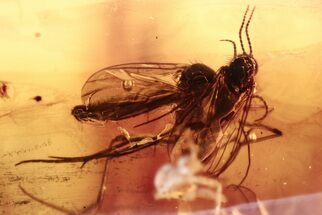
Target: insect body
<point x="213" y="105"/>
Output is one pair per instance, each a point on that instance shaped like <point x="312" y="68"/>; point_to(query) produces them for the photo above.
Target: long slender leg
<point x="53" y="206"/>
<point x="274" y="132"/>
<point x="89" y="209"/>
<point x="247" y="141"/>
<point x="122" y="147"/>
<point x="265" y="106"/>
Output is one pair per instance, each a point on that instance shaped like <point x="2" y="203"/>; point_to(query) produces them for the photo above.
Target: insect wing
<point x="129" y="82"/>
<point x="126" y="90"/>
<point x="224" y="147"/>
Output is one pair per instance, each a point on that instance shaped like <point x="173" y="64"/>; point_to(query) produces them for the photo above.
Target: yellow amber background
<point x="50" y="48"/>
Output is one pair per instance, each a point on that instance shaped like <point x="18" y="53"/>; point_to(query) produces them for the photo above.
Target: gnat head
<point x="243" y="67"/>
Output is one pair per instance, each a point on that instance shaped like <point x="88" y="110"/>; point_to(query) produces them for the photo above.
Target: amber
<point x="50" y="48"/>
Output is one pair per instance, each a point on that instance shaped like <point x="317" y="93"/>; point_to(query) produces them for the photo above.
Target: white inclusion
<point x="252" y="136"/>
<point x="128" y="85"/>
<point x="125" y="133"/>
<point x="255" y="90"/>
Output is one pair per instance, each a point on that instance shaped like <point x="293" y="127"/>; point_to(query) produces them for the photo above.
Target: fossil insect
<point x="215" y="106"/>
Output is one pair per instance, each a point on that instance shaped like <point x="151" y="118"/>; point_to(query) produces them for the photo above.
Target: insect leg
<point x="123" y="147"/>
<point x="265" y="106"/>
<point x="245" y="193"/>
<point x="41" y="201"/>
<point x="88" y="210"/>
<point x="274" y="132"/>
<point x="120" y="146"/>
<point x="242" y="130"/>
<point x="249" y="159"/>
<point x="247" y="141"/>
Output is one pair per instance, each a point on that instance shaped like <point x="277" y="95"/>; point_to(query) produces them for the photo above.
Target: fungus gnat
<point x="216" y="106"/>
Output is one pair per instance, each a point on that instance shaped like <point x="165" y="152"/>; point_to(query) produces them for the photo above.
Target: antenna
<point x="241" y="29"/>
<point x="247" y="35"/>
<point x="234" y="44"/>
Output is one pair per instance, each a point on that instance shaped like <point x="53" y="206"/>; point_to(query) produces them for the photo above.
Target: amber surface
<point x="50" y="48"/>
